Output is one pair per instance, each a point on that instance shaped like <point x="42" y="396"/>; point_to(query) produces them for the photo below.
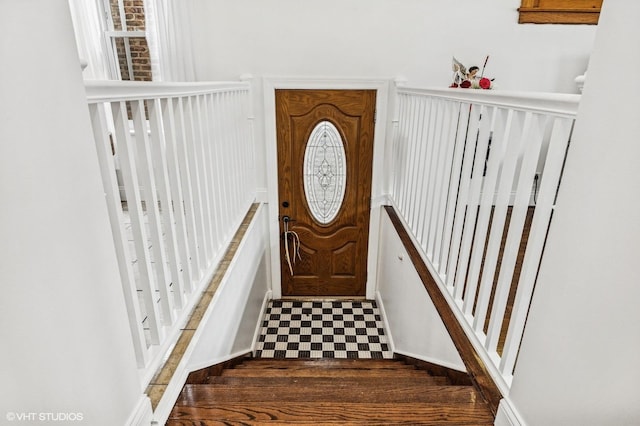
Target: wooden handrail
<point x="476" y="368"/>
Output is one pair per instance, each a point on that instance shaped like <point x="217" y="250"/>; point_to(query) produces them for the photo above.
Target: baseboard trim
<point x="170" y="394"/>
<point x="507" y="415"/>
<point x="256" y="334"/>
<point x="387" y="326"/>
<point x="215" y="368"/>
<point x="432" y="361"/>
<point x="142" y="414"/>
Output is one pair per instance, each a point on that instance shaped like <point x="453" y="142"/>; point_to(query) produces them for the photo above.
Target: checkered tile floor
<point x="318" y="329"/>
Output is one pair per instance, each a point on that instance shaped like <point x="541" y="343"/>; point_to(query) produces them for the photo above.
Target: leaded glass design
<point x="325" y="172"/>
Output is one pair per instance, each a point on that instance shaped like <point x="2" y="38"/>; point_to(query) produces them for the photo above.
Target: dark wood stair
<point x="327" y="391"/>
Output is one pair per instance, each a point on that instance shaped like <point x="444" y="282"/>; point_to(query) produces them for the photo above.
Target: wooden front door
<point x="325" y="153"/>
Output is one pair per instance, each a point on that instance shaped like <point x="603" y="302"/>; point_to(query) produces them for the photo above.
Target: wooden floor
<point x="328" y="391"/>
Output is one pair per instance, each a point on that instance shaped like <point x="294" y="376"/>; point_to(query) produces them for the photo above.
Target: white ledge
<point x="114" y="91"/>
<point x="560" y="104"/>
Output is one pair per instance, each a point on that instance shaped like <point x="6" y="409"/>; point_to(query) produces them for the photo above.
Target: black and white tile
<point x="322" y="329"/>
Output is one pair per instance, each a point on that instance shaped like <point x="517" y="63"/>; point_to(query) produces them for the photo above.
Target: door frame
<point x="379" y="181"/>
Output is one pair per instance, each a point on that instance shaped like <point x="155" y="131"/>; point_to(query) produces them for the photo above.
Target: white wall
<point x="365" y="38"/>
<point x="414" y="323"/>
<point x="256" y="298"/>
<point x="66" y="345"/>
<point x="232" y="317"/>
<point x="382" y="39"/>
<point x="578" y="363"/>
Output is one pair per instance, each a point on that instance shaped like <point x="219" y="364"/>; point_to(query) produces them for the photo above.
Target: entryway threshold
<point x="348" y="329"/>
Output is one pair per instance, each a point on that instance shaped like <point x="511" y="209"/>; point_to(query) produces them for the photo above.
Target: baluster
<point x="223" y="177"/>
<point x="201" y="166"/>
<point x="443" y="177"/>
<point x="430" y="209"/>
<point x="228" y="167"/>
<point x="463" y="193"/>
<point x="454" y="186"/>
<point x="159" y="159"/>
<point x="550" y="179"/>
<point x="417" y="161"/>
<point x="146" y="282"/>
<point x="239" y="122"/>
<point x="210" y="169"/>
<point x="249" y="147"/>
<point x="188" y="191"/>
<point x="519" y="127"/>
<point x="116" y="216"/>
<point x="398" y="151"/>
<point x="406" y="153"/>
<point x="516" y="224"/>
<point x="426" y="161"/>
<point x="412" y="163"/>
<point x="501" y="130"/>
<point x="473" y="199"/>
<point x="247" y="157"/>
<point x="235" y="151"/>
<point x="242" y="165"/>
<point x="174" y="166"/>
<point x="222" y="160"/>
<point x="215" y="166"/>
<point x="191" y="149"/>
<point x="408" y="156"/>
<point x="147" y="178"/>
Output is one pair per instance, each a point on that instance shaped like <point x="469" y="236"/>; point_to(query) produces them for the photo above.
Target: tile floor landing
<point x="322" y="329"/>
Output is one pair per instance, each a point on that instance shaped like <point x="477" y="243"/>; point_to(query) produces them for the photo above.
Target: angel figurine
<point x="459" y="73"/>
<point x="466" y="79"/>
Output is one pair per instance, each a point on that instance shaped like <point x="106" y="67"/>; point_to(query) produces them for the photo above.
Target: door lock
<point x="287" y="219"/>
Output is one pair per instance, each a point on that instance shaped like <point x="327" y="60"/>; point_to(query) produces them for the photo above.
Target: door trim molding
<point x="378" y="181"/>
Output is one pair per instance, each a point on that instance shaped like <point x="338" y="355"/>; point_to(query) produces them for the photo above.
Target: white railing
<point x="476" y="175"/>
<point x="177" y="166"/>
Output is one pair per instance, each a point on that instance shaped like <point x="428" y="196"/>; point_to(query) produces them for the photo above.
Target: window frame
<point x="584" y="12"/>
<point x="112" y="35"/>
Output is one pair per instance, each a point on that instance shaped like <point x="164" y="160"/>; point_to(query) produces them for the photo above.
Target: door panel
<point x="333" y="241"/>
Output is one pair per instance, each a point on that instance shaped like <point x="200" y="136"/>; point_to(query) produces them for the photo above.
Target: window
<point x="126" y="41"/>
<point x="560" y="11"/>
<point x="325" y="172"/>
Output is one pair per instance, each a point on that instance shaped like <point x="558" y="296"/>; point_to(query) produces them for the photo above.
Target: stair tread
<point x="211" y="395"/>
<point x="329" y="391"/>
<point x="308" y="381"/>
<point x="476" y="413"/>
<point x="386" y="422"/>
<point x="323" y="373"/>
<point x="325" y="363"/>
<point x="282" y="365"/>
<point x="320" y="372"/>
<point x="319" y="367"/>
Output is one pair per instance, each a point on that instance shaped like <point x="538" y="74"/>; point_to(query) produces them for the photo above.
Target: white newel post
<point x="67" y="354"/>
<point x="578" y="363"/>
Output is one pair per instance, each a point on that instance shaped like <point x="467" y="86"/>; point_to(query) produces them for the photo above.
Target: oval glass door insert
<point x="325" y="172"/>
